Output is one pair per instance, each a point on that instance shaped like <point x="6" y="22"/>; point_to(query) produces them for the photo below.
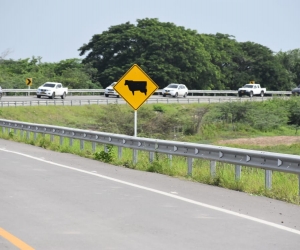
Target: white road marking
<point x="164" y="193"/>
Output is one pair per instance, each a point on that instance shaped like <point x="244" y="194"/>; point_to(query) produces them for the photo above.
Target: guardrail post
<point x="120" y="149"/>
<point x="3" y="130"/>
<point x="15" y="131"/>
<point x="268" y="179"/>
<point x="237" y="172"/>
<point x="27" y="135"/>
<point x="81" y="144"/>
<point x="151" y="156"/>
<point x="22" y="133"/>
<point x="212" y="168"/>
<point x="105" y="148"/>
<point x="190" y="165"/>
<point x="94" y="146"/>
<point x="170" y="157"/>
<point x="70" y="142"/>
<point x="61" y="140"/>
<point x="51" y="138"/>
<point x="134" y="156"/>
<point x="34" y="135"/>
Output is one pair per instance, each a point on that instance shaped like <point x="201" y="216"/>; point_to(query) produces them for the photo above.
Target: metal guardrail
<point x="239" y="157"/>
<point x="191" y="92"/>
<point x="66" y="102"/>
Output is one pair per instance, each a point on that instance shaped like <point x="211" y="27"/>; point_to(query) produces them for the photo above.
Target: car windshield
<point x="172" y="86"/>
<point x="51" y="85"/>
<point x="249" y="86"/>
<point x="113" y="84"/>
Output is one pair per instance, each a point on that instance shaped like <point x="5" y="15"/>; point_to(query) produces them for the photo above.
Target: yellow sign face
<point x="135" y="86"/>
<point x="28" y="81"/>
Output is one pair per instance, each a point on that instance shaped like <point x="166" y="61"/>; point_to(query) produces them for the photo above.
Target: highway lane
<point x="52" y="200"/>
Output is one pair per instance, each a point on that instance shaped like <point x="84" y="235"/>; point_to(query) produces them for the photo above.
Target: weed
<point x="104" y="156"/>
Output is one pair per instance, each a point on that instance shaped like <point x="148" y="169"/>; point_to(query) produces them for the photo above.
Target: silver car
<point x="175" y="90"/>
<point x="110" y="90"/>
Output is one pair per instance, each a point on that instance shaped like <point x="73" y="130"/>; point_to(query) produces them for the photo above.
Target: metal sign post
<point x="135" y="123"/>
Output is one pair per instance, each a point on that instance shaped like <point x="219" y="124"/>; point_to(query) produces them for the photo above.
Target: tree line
<point x="167" y="53"/>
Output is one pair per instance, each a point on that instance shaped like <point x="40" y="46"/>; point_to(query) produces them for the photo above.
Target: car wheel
<point x="164" y="95"/>
<point x="106" y="95"/>
<point x="251" y="94"/>
<point x="38" y="96"/>
<point x="262" y="94"/>
<point x="53" y="96"/>
<point x="63" y="95"/>
<point x="118" y="96"/>
<point x="176" y="95"/>
<point x="185" y="95"/>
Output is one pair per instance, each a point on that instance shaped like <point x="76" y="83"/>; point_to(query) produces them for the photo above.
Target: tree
<point x="70" y="72"/>
<point x="291" y="62"/>
<point x="168" y="53"/>
<point x="224" y="49"/>
<point x="258" y="63"/>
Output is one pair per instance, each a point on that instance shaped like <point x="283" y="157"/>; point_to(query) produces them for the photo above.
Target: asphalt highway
<point x="59" y="201"/>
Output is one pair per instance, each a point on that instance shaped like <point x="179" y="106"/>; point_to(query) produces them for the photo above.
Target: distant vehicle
<point x="175" y="90"/>
<point x="1" y="92"/>
<point x="110" y="90"/>
<point x="296" y="91"/>
<point x="51" y="90"/>
<point x="251" y="90"/>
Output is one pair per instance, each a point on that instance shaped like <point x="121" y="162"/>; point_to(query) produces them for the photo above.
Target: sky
<point x="56" y="29"/>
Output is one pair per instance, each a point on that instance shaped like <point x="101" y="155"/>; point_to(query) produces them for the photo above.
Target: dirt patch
<point x="263" y="141"/>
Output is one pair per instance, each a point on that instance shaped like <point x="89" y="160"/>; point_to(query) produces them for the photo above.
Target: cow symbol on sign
<point x="137" y="86"/>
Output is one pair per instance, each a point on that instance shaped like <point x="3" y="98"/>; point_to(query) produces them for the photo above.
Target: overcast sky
<point x="56" y="29"/>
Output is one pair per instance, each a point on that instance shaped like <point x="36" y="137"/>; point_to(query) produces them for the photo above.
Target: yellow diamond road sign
<point x="135" y="86"/>
<point x="28" y="81"/>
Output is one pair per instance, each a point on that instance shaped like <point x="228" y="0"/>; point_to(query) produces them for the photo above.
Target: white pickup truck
<point x="51" y="90"/>
<point x="251" y="90"/>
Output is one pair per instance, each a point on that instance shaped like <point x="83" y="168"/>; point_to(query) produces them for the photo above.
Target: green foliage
<point x="294" y="112"/>
<point x="263" y="116"/>
<point x="167" y="53"/>
<point x="71" y="72"/>
<point x="158" y="108"/>
<point x="11" y="134"/>
<point x="105" y="156"/>
<point x="170" y="53"/>
<point x="291" y="62"/>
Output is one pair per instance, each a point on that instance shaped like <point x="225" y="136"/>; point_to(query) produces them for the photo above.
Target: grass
<point x="94" y="117"/>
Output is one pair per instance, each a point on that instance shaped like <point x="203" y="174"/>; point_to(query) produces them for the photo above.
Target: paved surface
<point x="57" y="201"/>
